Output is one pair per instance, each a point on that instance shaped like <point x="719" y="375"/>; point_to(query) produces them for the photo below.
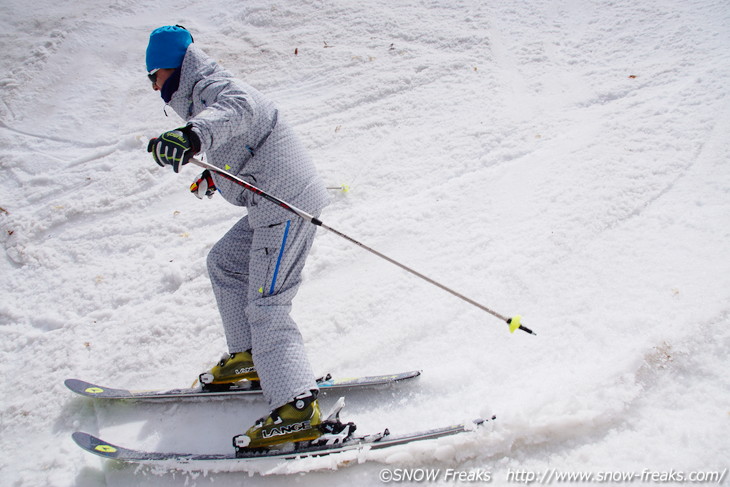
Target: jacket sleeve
<point x="229" y="111"/>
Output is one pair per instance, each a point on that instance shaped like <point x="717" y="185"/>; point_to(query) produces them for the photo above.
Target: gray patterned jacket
<point x="241" y="131"/>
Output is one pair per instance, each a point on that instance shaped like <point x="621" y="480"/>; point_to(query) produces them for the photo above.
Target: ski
<point x="111" y="451"/>
<point x="325" y="384"/>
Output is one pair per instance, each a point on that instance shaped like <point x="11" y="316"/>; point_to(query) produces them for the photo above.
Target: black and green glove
<point x="174" y="148"/>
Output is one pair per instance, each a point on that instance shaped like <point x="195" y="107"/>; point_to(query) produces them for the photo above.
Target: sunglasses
<point x="152" y="75"/>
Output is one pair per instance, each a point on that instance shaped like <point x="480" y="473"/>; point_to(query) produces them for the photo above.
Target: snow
<point x="563" y="160"/>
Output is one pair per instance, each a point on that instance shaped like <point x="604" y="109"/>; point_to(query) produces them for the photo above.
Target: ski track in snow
<point x="561" y="159"/>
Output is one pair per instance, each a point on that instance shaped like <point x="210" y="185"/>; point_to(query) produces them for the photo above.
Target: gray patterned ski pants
<point x="256" y="273"/>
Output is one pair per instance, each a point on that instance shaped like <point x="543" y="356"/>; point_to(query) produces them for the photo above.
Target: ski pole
<point x="513" y="322"/>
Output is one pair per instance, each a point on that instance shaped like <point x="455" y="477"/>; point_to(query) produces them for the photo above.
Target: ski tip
<point x="84" y="440"/>
<point x="97" y="446"/>
<point x="76" y="385"/>
<point x="85" y="388"/>
<point x="81" y="439"/>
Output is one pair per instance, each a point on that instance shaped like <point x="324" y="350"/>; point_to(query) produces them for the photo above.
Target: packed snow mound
<point x="565" y="161"/>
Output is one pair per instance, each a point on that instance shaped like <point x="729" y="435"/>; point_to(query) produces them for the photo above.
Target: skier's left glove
<point x="175" y="147"/>
<point x="204" y="185"/>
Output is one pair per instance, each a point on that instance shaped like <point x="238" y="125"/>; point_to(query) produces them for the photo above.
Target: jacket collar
<point x="196" y="67"/>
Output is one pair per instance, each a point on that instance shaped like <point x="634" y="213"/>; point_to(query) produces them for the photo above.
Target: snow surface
<point x="560" y="159"/>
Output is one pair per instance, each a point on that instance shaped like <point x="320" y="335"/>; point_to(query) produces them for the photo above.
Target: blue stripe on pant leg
<point x="281" y="254"/>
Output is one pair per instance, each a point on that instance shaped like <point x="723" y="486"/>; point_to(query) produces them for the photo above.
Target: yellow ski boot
<point x="231" y="369"/>
<point x="294" y="422"/>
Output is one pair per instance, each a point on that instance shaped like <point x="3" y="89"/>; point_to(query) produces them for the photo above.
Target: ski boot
<point x="294" y="422"/>
<point x="295" y="425"/>
<point x="231" y="369"/>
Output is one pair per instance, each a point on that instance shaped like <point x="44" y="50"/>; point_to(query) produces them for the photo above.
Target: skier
<point x="255" y="269"/>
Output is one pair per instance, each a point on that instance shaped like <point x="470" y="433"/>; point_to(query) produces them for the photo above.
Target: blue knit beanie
<point x="167" y="47"/>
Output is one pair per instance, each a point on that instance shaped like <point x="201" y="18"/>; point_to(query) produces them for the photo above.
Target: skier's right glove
<point x="174" y="147"/>
<point x="204" y="185"/>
